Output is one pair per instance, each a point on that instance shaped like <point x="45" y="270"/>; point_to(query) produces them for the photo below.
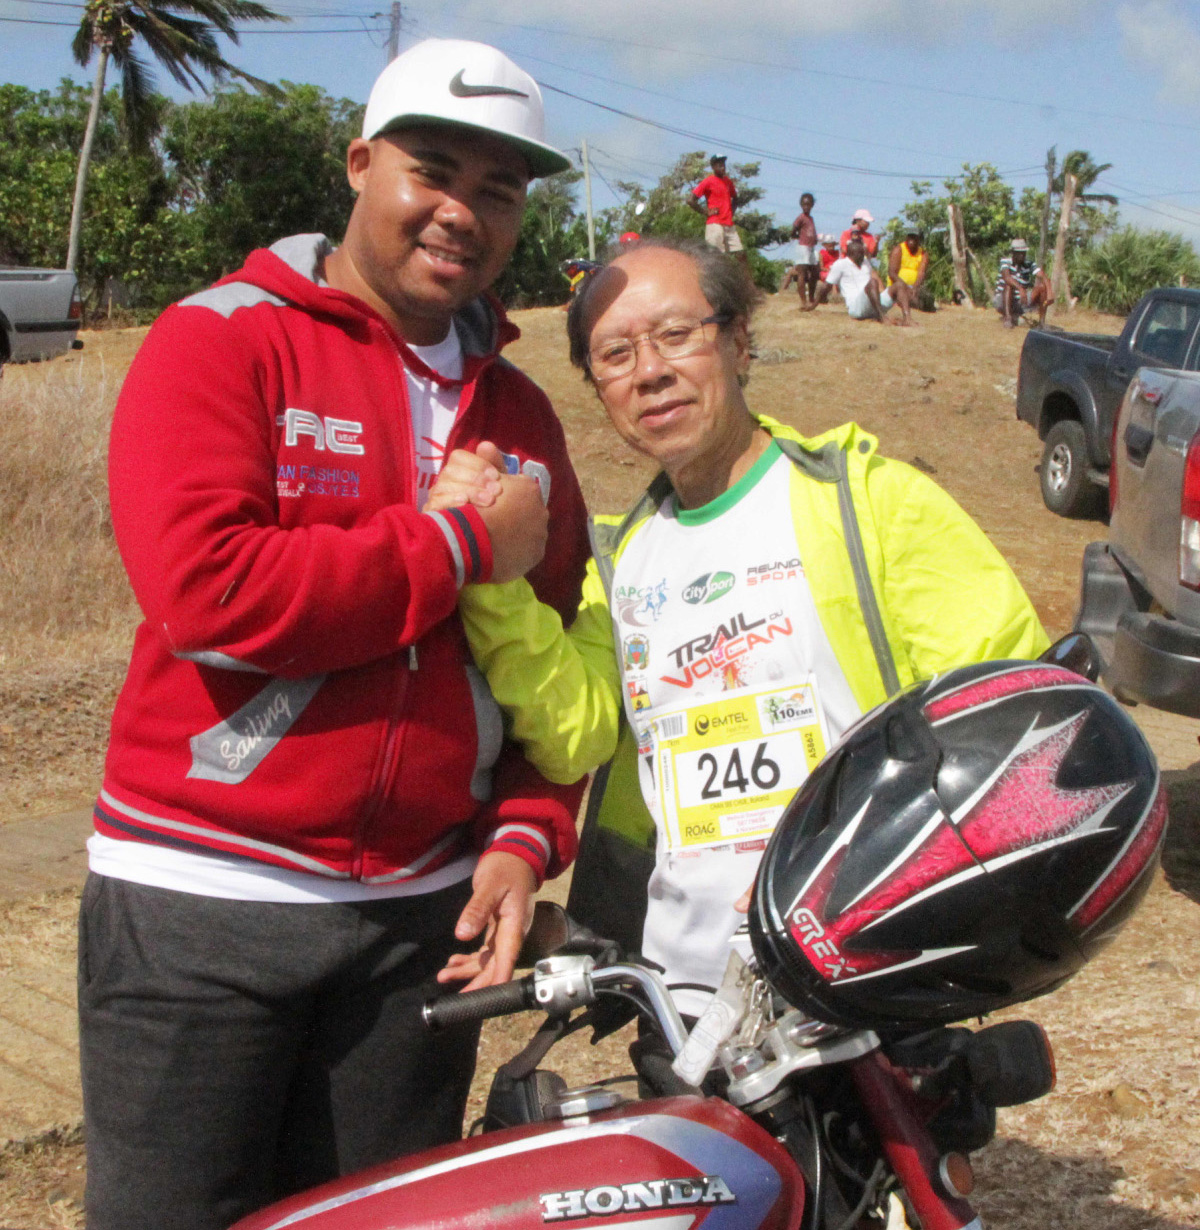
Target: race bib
<point x="726" y="770"/>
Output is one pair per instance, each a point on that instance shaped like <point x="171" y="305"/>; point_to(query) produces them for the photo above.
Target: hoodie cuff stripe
<point x="472" y="544"/>
<point x="466" y="536"/>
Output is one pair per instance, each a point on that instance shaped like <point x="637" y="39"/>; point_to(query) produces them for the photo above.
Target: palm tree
<point x="1086" y="171"/>
<point x="181" y="36"/>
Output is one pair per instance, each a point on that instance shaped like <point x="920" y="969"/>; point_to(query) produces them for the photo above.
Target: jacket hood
<point x="292" y="270"/>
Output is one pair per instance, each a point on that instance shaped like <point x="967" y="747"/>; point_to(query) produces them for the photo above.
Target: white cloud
<point x="1160" y="38"/>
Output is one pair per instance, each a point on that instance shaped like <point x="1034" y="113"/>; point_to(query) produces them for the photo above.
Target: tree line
<point x="179" y="198"/>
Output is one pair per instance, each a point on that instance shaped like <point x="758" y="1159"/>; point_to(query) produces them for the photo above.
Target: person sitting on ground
<point x="840" y="577"/>
<point x="804" y="271"/>
<point x="860" y="228"/>
<point x="861" y="288"/>
<point x="908" y="262"/>
<point x="1021" y="287"/>
<point x="827" y="255"/>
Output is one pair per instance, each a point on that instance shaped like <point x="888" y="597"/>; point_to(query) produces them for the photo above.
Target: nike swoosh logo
<point x="460" y="89"/>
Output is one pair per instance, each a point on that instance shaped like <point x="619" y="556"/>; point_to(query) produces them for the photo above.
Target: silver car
<point x="39" y="313"/>
<point x="1141" y="588"/>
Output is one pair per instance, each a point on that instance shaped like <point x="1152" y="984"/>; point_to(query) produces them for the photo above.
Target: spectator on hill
<point x="805" y="271"/>
<point x="860" y="286"/>
<point x="309" y="805"/>
<point x="908" y="265"/>
<point x="1021" y="287"/>
<point x="827" y="255"/>
<point x="720" y="197"/>
<point x="860" y="228"/>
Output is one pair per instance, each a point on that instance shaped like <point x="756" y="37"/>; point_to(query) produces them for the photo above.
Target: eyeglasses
<point x="676" y="339"/>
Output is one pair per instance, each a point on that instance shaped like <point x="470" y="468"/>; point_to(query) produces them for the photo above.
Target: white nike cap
<point x="472" y="85"/>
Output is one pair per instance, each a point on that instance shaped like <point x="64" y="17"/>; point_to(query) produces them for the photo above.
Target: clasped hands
<point x="510" y="505"/>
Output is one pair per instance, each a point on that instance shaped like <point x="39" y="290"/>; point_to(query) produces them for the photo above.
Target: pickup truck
<point x="39" y="313"/>
<point x="1141" y="589"/>
<point x="1070" y="385"/>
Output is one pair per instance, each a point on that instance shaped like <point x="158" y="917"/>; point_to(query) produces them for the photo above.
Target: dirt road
<point x="1117" y="1147"/>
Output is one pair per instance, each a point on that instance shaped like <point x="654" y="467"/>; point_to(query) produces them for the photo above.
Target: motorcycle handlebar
<point x="445" y="1011"/>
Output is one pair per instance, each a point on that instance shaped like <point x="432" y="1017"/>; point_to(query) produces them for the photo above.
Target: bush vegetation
<point x="241" y="169"/>
<point x="1112" y="275"/>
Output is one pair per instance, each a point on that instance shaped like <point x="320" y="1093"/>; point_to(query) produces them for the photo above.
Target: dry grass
<point x="63" y="594"/>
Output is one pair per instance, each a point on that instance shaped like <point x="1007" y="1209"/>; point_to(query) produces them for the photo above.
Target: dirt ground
<point x="1117" y="1146"/>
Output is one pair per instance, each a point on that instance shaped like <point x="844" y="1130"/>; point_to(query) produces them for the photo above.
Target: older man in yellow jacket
<point x="764" y="593"/>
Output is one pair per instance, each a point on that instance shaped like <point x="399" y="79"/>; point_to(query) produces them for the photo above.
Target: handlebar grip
<point x="448" y="1010"/>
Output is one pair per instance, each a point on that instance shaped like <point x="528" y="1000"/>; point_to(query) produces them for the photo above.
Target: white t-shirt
<point x="434" y="407"/>
<point x="734" y="693"/>
<point x="852" y="279"/>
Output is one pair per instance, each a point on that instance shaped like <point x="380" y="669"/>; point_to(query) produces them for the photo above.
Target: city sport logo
<point x="709" y="587"/>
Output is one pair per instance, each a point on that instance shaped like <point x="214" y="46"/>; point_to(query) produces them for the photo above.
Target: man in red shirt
<point x="860" y="228"/>
<point x="720" y="197"/>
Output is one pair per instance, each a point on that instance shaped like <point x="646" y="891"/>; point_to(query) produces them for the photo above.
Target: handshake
<point x="510" y="505"/>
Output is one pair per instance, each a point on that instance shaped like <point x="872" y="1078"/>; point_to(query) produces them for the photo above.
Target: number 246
<point x="764" y="773"/>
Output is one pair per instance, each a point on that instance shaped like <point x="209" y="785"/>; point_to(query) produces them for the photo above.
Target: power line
<point x="741" y="115"/>
<point x="72" y="25"/>
<point x="740" y="147"/>
<point x="857" y="79"/>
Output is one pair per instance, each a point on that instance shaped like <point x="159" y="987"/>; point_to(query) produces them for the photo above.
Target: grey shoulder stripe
<point x="304" y="254"/>
<point x="225" y="300"/>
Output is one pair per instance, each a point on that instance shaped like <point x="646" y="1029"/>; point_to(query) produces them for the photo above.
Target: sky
<point x="849" y="99"/>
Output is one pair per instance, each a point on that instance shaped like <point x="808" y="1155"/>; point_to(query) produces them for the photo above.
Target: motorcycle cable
<point x="868" y="1195"/>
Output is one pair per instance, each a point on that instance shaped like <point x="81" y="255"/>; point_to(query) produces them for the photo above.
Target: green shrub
<point x="1111" y="276"/>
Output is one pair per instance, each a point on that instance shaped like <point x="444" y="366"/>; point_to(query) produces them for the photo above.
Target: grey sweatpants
<point x="234" y="1052"/>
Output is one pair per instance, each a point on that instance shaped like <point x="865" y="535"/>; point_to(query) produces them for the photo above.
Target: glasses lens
<point x="613" y="358"/>
<point x="618" y="357"/>
<point x="679" y="338"/>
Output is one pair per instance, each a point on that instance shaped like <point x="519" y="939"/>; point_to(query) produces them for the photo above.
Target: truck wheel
<point x="1066" y="488"/>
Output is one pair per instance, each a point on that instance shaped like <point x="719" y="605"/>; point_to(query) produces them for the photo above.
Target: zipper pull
<point x="412" y="657"/>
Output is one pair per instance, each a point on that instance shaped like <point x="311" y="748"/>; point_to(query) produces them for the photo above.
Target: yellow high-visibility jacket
<point x="906" y="586"/>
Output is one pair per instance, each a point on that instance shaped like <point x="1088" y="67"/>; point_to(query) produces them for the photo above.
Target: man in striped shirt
<point x="1021" y="287"/>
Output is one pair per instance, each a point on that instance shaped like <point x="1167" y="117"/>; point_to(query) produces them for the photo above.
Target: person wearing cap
<point x="720" y="197"/>
<point x="860" y="228"/>
<point x="827" y="255"/>
<point x="1021" y="287"/>
<point x="309" y="805"/>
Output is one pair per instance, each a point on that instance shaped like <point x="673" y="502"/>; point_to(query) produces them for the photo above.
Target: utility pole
<point x="587" y="193"/>
<point x="1051" y="168"/>
<point x="958" y="255"/>
<point x="394" y="33"/>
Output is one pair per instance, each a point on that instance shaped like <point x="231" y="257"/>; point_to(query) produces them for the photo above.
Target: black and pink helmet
<point x="969" y="844"/>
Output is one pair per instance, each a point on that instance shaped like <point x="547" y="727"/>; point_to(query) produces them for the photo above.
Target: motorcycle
<point x="967" y="846"/>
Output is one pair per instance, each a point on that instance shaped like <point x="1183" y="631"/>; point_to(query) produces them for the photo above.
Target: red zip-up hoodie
<point x="301" y="691"/>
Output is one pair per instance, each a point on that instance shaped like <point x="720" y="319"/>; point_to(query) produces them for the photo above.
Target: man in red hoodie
<point x="308" y="804"/>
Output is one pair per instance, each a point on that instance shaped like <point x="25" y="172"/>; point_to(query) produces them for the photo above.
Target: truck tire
<point x="1066" y="488"/>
